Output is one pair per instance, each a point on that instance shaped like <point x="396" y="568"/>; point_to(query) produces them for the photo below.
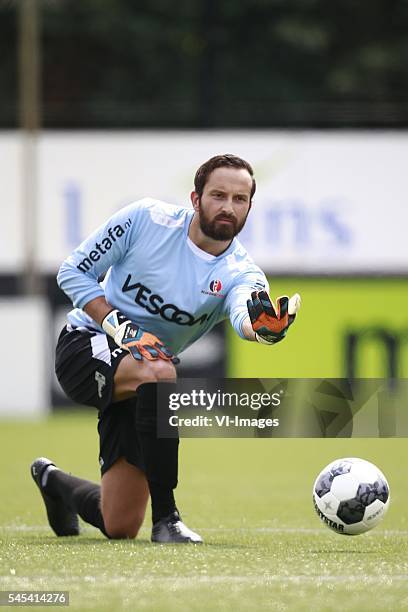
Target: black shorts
<point x="85" y="365"/>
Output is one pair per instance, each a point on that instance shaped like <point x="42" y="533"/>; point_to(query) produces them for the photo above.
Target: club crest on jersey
<point x="215" y="287"/>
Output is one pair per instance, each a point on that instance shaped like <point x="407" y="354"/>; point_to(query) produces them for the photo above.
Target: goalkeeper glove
<point x="131" y="337"/>
<point x="271" y="323"/>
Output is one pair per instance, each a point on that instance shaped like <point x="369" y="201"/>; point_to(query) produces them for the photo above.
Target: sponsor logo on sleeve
<point x="101" y="248"/>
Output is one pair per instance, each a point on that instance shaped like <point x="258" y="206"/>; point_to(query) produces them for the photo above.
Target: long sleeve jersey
<point x="158" y="277"/>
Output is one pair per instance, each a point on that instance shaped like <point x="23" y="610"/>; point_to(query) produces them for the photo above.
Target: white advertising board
<point x="11" y="209"/>
<point x="327" y="202"/>
<point x="27" y="357"/>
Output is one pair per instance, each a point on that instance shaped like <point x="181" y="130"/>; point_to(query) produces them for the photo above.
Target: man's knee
<point x="164" y="370"/>
<point x="131" y="374"/>
<point x="119" y="528"/>
<point x="152" y="371"/>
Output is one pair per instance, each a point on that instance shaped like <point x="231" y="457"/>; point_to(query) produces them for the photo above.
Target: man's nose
<point x="227" y="206"/>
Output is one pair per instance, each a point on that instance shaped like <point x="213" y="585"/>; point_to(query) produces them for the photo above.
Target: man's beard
<point x="212" y="228"/>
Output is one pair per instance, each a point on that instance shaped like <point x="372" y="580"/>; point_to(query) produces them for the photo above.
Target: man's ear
<point x="195" y="200"/>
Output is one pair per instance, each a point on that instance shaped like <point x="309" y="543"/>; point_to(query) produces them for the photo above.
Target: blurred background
<point x="103" y="102"/>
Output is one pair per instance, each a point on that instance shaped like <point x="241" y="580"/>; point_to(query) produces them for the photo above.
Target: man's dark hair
<point x="221" y="161"/>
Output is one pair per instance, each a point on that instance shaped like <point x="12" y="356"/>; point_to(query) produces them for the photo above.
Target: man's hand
<point x="271" y="323"/>
<point x="130" y="336"/>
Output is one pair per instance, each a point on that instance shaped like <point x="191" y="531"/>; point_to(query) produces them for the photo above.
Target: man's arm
<point x="247" y="330"/>
<point x="97" y="309"/>
<point x="79" y="277"/>
<point x="79" y="274"/>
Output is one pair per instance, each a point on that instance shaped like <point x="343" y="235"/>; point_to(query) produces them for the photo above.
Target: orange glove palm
<point x="269" y="322"/>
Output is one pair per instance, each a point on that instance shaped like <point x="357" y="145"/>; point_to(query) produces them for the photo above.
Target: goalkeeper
<point x="171" y="273"/>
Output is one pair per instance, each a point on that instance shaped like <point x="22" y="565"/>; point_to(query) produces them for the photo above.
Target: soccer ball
<point x="351" y="496"/>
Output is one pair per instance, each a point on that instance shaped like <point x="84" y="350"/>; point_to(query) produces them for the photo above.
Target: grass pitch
<point x="265" y="549"/>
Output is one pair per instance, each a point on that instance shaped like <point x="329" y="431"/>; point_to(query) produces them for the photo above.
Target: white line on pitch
<point x="191" y="581"/>
<point x="275" y="530"/>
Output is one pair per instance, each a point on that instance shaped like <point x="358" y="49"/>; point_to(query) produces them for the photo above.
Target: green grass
<point x="250" y="499"/>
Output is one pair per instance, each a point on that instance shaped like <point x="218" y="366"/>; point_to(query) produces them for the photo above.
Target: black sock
<point x="160" y="455"/>
<point x="161" y="465"/>
<point x="81" y="495"/>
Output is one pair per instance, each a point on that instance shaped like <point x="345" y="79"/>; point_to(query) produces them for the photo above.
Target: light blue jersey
<point x="158" y="277"/>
